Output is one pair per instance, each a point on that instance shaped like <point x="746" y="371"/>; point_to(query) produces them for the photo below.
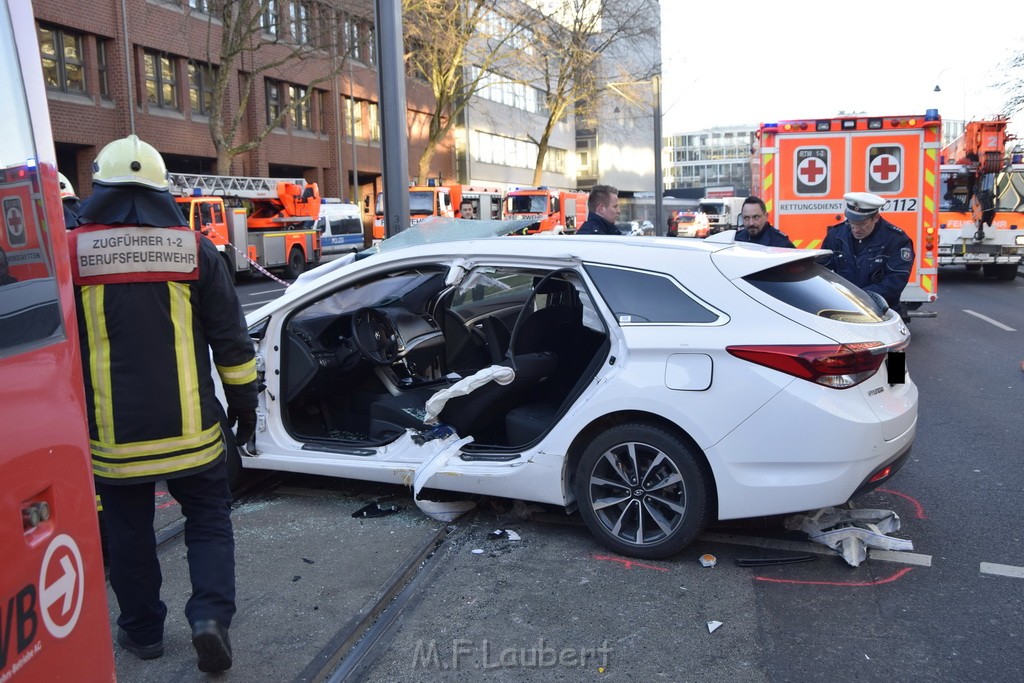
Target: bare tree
<point x="571" y="40"/>
<point x="1013" y="83"/>
<point x="247" y="39"/>
<point x="452" y="45"/>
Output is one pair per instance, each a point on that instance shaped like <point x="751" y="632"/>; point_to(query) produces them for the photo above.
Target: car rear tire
<point x="296" y="263"/>
<point x="642" y="491"/>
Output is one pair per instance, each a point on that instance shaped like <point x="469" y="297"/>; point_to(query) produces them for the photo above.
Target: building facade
<point x="146" y="66"/>
<point x="716" y="157"/>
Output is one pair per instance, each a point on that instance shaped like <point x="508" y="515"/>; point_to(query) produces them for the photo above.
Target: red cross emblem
<point x="884" y="168"/>
<point x="812" y="171"/>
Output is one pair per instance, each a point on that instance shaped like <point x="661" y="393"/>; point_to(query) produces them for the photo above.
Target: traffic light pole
<point x="393" y="133"/>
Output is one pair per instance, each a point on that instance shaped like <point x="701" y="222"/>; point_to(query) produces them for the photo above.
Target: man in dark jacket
<point x="603" y="207"/>
<point x="154" y="297"/>
<point x="756" y="228"/>
<point x="868" y="250"/>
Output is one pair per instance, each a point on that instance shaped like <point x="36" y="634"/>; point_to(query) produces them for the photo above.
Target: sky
<point x="733" y="62"/>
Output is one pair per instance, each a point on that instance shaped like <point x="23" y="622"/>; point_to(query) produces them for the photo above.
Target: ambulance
<point x="54" y="618"/>
<point x="807" y="165"/>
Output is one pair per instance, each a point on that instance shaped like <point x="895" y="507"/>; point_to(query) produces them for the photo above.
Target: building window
<point x="161" y="80"/>
<point x="102" y="67"/>
<point x="62" y="59"/>
<point x="354" y="114"/>
<point x="273" y="102"/>
<point x="298" y="20"/>
<point x="371" y="45"/>
<point x="200" y="5"/>
<point x="355" y="45"/>
<point x="374" y="121"/>
<point x="201" y="78"/>
<point x="268" y="17"/>
<point x="298" y="105"/>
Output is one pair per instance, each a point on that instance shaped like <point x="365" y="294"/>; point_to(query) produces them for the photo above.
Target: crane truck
<point x="981" y="205"/>
<point x="257" y="223"/>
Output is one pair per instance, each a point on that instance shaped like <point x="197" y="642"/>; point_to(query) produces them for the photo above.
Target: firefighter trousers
<point x="128" y="514"/>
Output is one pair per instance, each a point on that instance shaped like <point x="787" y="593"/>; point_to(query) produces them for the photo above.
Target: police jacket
<point x="879" y="263"/>
<point x="770" y="236"/>
<point x="597" y="225"/>
<point x="152" y="303"/>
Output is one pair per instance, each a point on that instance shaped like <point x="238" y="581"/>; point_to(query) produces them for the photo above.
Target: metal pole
<point x="338" y="130"/>
<point x="393" y="135"/>
<point x="128" y="67"/>
<point x="352" y="132"/>
<point x="659" y="185"/>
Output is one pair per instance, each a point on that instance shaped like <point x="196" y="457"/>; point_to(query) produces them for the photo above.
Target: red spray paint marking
<point x="629" y="564"/>
<point x="168" y="504"/>
<point x="841" y="584"/>
<point x="918" y="508"/>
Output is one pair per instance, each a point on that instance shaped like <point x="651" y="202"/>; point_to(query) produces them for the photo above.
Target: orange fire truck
<point x="807" y="165"/>
<point x="256" y="223"/>
<point x="557" y="211"/>
<point x="54" y="620"/>
<point x="981" y="205"/>
<point x="442" y="200"/>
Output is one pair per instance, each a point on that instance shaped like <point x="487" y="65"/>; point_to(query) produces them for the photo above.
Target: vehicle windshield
<point x="436" y="229"/>
<point x="421" y="203"/>
<point x="531" y="203"/>
<point x="710" y="207"/>
<point x="812" y="287"/>
<point x="954" y="192"/>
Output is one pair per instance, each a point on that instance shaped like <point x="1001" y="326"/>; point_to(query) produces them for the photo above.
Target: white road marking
<point x="259" y="302"/>
<point x="989" y="320"/>
<point x="815" y="548"/>
<point x="1002" y="570"/>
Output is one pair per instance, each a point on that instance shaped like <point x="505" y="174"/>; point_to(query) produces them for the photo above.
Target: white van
<point x="340" y="226"/>
<point x="724" y="213"/>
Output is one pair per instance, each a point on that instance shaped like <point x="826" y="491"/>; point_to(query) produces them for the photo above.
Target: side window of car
<point x="638" y="297"/>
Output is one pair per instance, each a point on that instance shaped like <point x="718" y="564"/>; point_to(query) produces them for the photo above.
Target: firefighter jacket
<point x="878" y="263"/>
<point x="152" y="303"/>
<point x="770" y="236"/>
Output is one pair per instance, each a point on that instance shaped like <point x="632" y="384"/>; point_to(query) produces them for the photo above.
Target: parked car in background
<point x="655" y="389"/>
<point x="692" y="224"/>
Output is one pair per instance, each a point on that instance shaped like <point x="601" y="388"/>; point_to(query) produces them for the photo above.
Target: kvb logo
<point x="60" y="593"/>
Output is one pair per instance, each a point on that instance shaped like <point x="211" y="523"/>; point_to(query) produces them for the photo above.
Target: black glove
<point x="246" y="420"/>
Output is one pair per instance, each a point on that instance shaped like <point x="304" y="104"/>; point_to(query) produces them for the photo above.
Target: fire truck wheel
<point x="1001" y="271"/>
<point x="296" y="263"/>
<point x="973" y="267"/>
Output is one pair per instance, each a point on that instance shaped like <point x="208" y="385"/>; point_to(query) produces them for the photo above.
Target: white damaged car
<point x="655" y="384"/>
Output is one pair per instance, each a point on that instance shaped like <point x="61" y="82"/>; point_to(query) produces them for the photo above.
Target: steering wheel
<point x="375" y="336"/>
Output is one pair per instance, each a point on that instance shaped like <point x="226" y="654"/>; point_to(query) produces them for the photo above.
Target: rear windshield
<point x="814" y="288"/>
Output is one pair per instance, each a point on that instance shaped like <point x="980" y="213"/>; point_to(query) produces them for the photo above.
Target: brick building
<point x="160" y="82"/>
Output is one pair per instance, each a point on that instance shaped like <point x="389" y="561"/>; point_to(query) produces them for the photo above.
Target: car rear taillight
<point x="839" y="366"/>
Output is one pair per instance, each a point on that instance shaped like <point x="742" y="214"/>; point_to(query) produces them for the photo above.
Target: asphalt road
<point x="951" y="610"/>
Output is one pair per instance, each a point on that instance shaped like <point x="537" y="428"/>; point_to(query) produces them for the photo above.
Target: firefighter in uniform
<point x="154" y="297"/>
<point x="868" y="250"/>
<point x="756" y="228"/>
<point x="72" y="205"/>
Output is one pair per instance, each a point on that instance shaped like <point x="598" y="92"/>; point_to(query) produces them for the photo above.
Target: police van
<point x="340" y="226"/>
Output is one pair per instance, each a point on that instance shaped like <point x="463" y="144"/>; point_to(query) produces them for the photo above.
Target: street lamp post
<point x="659" y="187"/>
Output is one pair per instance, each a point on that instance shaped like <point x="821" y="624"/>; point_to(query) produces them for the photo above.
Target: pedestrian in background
<point x="466" y="210"/>
<point x="756" y="228"/>
<point x="72" y="205"/>
<point x="869" y="251"/>
<point x="153" y="298"/>
<point x="603" y="208"/>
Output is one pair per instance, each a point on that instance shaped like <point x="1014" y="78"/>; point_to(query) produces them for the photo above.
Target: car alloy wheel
<point x="641" y="491"/>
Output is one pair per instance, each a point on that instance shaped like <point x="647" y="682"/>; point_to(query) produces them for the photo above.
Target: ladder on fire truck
<point x="185" y="184"/>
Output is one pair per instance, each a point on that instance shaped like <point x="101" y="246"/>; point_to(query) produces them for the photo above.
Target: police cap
<point x="862" y="205"/>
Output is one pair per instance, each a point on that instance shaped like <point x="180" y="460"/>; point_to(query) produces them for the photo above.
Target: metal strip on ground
<point x="810" y="547"/>
<point x="346" y="650"/>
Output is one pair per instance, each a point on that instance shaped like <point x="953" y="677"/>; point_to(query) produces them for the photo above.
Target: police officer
<point x="154" y="298"/>
<point x="72" y="205"/>
<point x="868" y="250"/>
<point x="756" y="228"/>
<point x="603" y="208"/>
